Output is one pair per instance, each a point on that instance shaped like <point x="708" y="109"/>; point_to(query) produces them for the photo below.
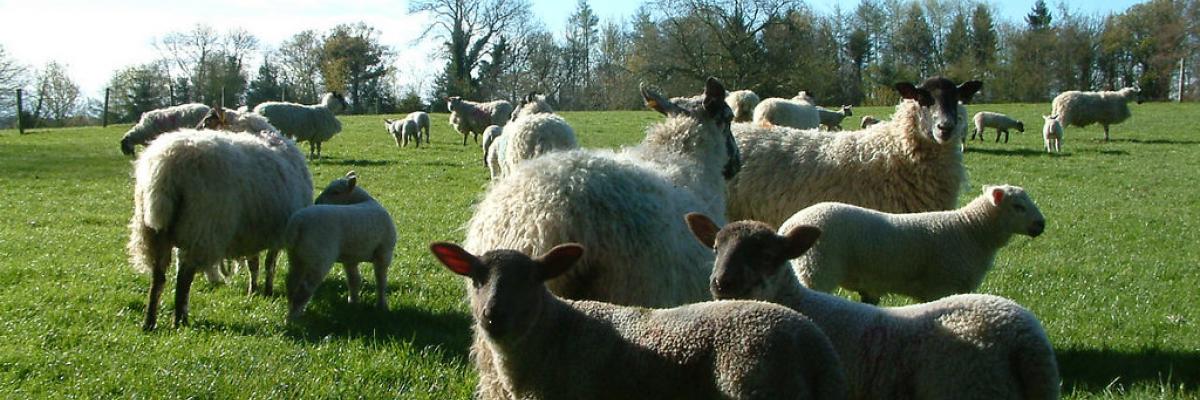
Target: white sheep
<point x="470" y="118"/>
<point x="742" y="102"/>
<point x="533" y="103"/>
<point x="214" y="196"/>
<point x="156" y="122"/>
<point x="345" y="225"/>
<point x="968" y="346"/>
<point x="314" y="124"/>
<point x="493" y="149"/>
<point x="403" y="130"/>
<point x="423" y="123"/>
<point x="912" y="163"/>
<point x="1052" y="133"/>
<point x="926" y="256"/>
<point x="787" y="113"/>
<point x="537" y="131"/>
<point x="1085" y="108"/>
<point x="868" y="120"/>
<point x="544" y="347"/>
<point x="1002" y="123"/>
<point x="832" y="120"/>
<point x="226" y="120"/>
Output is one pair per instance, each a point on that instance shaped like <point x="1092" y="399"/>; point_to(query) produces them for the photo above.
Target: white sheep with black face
<point x="156" y="122"/>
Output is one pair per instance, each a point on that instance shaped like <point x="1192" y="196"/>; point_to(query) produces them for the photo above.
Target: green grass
<point x="1114" y="279"/>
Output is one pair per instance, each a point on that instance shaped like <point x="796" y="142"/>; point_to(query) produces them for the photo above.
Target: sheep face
<point x="709" y="109"/>
<point x="453" y="102"/>
<point x="939" y="99"/>
<point x="127" y="146"/>
<point x="1017" y="212"/>
<point x="215" y="120"/>
<point x="846" y="110"/>
<point x="507" y="290"/>
<point x="343" y="190"/>
<point x="335" y="102"/>
<point x="1020" y="127"/>
<point x="751" y="260"/>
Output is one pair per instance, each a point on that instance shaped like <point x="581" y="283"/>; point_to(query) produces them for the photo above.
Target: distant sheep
<point x="1052" y="133"/>
<point x="742" y="102"/>
<point x="832" y="120"/>
<point x="493" y="150"/>
<point x="470" y="118"/>
<point x="1085" y="108"/>
<point x="314" y="124"/>
<point x="1002" y="123"/>
<point x="423" y="123"/>
<point x="403" y="130"/>
<point x="786" y="113"/>
<point x="223" y="119"/>
<point x="867" y="121"/>
<point x="537" y="131"/>
<point x="163" y="120"/>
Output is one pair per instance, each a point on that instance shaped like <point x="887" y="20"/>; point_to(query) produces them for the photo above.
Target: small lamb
<point x="544" y="347"/>
<point x="832" y="120"/>
<point x="1002" y="123"/>
<point x="345" y="225"/>
<point x="1052" y="132"/>
<point x="926" y="256"/>
<point x="403" y="130"/>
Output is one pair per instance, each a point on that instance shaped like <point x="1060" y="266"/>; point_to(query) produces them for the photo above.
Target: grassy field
<point x="1113" y="280"/>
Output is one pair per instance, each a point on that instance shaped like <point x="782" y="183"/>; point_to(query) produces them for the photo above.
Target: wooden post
<point x="20" y="116"/>
<point x="104" y="114"/>
<point x="1180" y="98"/>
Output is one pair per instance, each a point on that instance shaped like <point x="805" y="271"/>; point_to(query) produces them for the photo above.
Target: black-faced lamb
<point x="156" y="122"/>
<point x="1085" y="108"/>
<point x="314" y="124"/>
<point x="470" y="118"/>
<point x="1000" y="122"/>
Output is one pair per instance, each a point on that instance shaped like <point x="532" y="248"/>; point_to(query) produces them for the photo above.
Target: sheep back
<point x="987" y="119"/>
<point x="305" y="123"/>
<point x="155" y="122"/>
<point x="352" y="233"/>
<point x="1085" y="108"/>
<point x="781" y="112"/>
<point x="533" y="135"/>
<point x="742" y="102"/>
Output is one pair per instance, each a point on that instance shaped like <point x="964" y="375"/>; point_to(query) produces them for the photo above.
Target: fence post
<point x="104" y="114"/>
<point x="20" y="115"/>
<point x="1181" y="81"/>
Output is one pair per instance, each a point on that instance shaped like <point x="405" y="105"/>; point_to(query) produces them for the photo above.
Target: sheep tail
<point x="1037" y="372"/>
<point x="146" y="245"/>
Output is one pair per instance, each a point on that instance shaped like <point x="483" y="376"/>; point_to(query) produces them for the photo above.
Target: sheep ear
<point x="352" y="178"/>
<point x="704" y="228"/>
<point x="799" y="240"/>
<point x="968" y="89"/>
<point x="714" y="99"/>
<point x="910" y="92"/>
<point x="559" y="259"/>
<point x="657" y="102"/>
<point x="455" y="258"/>
<point x="997" y="195"/>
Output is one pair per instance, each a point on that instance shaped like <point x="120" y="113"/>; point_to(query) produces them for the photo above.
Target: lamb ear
<point x="967" y="90"/>
<point x="704" y="228"/>
<point x="655" y="101"/>
<point x="352" y="177"/>
<point x="559" y="259"/>
<point x="997" y="195"/>
<point x="799" y="240"/>
<point x="910" y="92"/>
<point x="455" y="258"/>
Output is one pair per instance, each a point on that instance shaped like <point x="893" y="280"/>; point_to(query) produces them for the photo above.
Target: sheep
<point x="912" y="163"/>
<point x="345" y="225"/>
<point x="968" y="346"/>
<point x="493" y="149"/>
<point x="544" y="347"/>
<point x="314" y="124"/>
<point x="742" y="102"/>
<point x="402" y="130"/>
<point x="788" y="113"/>
<point x="832" y="120"/>
<point x="470" y="118"/>
<point x="1085" y="108"/>
<point x="422" y="119"/>
<point x="533" y="103"/>
<point x="1002" y="123"/>
<point x="227" y="120"/>
<point x="163" y="120"/>
<point x="536" y="132"/>
<point x="1052" y="132"/>
<point x="214" y="196"/>
<point x="868" y="120"/>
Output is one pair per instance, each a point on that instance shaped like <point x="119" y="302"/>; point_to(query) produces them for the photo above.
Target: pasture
<point x="1113" y="280"/>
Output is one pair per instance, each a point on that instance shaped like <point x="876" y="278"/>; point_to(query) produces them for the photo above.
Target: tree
<point x="212" y="63"/>
<point x="300" y="64"/>
<point x="56" y="93"/>
<point x="957" y="50"/>
<point x="470" y="28"/>
<point x="914" y="44"/>
<point x="12" y="77"/>
<point x="984" y="42"/>
<point x="137" y="89"/>
<point x="352" y="59"/>
<point x="581" y="40"/>
<point x="1039" y="18"/>
<point x="188" y="52"/>
<point x="265" y="86"/>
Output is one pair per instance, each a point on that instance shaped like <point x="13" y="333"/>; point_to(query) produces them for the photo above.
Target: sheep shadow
<point x="1022" y="152"/>
<point x="1093" y="370"/>
<point x="1156" y="141"/>
<point x="352" y="162"/>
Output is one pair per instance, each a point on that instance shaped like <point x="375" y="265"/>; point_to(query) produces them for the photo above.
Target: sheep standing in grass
<point x="163" y="120"/>
<point x="960" y="347"/>
<point x="314" y="124"/>
<point x="742" y="102"/>
<point x="470" y="118"/>
<point x="1052" y="133"/>
<point x="423" y="123"/>
<point x="832" y="120"/>
<point x="213" y="196"/>
<point x="1002" y="123"/>
<point x="493" y="150"/>
<point x="346" y="225"/>
<point x="535" y="130"/>
<point x="912" y="163"/>
<point x="546" y="348"/>
<point x="926" y="256"/>
<point x="787" y="113"/>
<point x="403" y="130"/>
<point x="867" y="121"/>
<point x="1085" y="108"/>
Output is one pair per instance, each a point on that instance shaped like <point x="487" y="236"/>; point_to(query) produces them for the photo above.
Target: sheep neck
<point x="534" y="350"/>
<point x="977" y="220"/>
<point x="792" y="294"/>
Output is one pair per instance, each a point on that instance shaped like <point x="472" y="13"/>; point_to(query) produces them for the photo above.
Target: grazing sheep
<point x="423" y="123"/>
<point x="867" y="121"/>
<point x="926" y="256"/>
<point x="533" y="103"/>
<point x="912" y="163"/>
<point x="960" y="347"/>
<point x="832" y="120"/>
<point x="403" y="130"/>
<point x="787" y="113"/>
<point x="1002" y="123"/>
<point x="548" y="348"/>
<point x="223" y="119"/>
<point x="345" y="225"/>
<point x="742" y="102"/>
<point x="493" y="149"/>
<point x="1052" y="132"/>
<point x="1085" y="108"/>
<point x="163" y="120"/>
<point x="214" y="196"/>
<point x="470" y="118"/>
<point x="533" y="134"/>
<point x="314" y="124"/>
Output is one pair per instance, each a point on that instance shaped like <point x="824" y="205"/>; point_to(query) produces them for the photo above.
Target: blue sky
<point x="96" y="38"/>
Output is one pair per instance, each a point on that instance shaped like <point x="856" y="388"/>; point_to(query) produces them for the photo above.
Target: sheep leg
<point x="1105" y="132"/>
<point x="868" y="298"/>
<point x="252" y="265"/>
<point x="158" y="280"/>
<point x="381" y="267"/>
<point x="183" y="290"/>
<point x="269" y="280"/>
<point x="354" y="280"/>
<point x="426" y="135"/>
<point x="465" y="138"/>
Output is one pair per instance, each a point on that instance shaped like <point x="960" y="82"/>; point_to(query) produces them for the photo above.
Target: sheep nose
<point x="1038" y="227"/>
<point x="945" y="127"/>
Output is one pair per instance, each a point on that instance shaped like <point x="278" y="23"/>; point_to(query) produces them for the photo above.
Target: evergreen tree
<point x="265" y="86"/>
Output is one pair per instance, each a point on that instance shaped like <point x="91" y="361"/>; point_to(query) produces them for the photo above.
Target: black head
<point x="750" y="256"/>
<point x="709" y="108"/>
<point x="941" y="97"/>
<point x="127" y="146"/>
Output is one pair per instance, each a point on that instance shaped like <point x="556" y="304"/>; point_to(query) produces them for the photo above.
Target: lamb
<point x="1085" y="108"/>
<point x="402" y="130"/>
<point x="912" y="163"/>
<point x="832" y="120"/>
<point x="345" y="225"/>
<point x="868" y="120"/>
<point x="545" y="347"/>
<point x="470" y="118"/>
<point x="422" y="119"/>
<point x="493" y="149"/>
<point x="214" y="196"/>
<point x="227" y="120"/>
<point x="1002" y="123"/>
<point x="961" y="347"/>
<point x="314" y="124"/>
<point x="536" y="132"/>
<point x="788" y="113"/>
<point x="1052" y="132"/>
<point x="742" y="102"/>
<point x="163" y="120"/>
<point x="926" y="256"/>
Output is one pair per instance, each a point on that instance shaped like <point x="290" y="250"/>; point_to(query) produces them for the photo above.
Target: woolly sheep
<point x="163" y="120"/>
<point x="227" y="120"/>
<point x="346" y="225"/>
<point x="1002" y="123"/>
<point x="1052" y="133"/>
<point x="912" y="163"/>
<point x="832" y="120"/>
<point x="403" y="130"/>
<point x="960" y="347"/>
<point x="868" y="120"/>
<point x="926" y="256"/>
<point x="742" y="102"/>
<point x="214" y="196"/>
<point x="314" y="124"/>
<point x="546" y="347"/>
<point x="493" y="149"/>
<point x="1085" y="108"/>
<point x="533" y="134"/>
<point x="533" y="103"/>
<point x="787" y="113"/>
<point x="423" y="123"/>
<point x="470" y="118"/>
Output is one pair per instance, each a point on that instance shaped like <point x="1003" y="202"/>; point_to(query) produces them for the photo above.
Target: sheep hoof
<point x="149" y="326"/>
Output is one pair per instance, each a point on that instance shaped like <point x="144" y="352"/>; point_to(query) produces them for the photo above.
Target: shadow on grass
<point x="1022" y="152"/>
<point x="1155" y="141"/>
<point x="326" y="160"/>
<point x="1092" y="370"/>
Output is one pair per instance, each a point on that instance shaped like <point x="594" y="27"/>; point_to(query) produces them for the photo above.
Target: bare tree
<point x="300" y="61"/>
<point x="188" y="52"/>
<point x="12" y="77"/>
<point x="720" y="36"/>
<point x="57" y="92"/>
<point x="471" y="28"/>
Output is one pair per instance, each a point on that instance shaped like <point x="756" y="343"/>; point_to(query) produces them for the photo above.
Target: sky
<point x="94" y="39"/>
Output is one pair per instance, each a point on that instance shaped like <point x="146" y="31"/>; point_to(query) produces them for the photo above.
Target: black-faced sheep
<point x="163" y="120"/>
